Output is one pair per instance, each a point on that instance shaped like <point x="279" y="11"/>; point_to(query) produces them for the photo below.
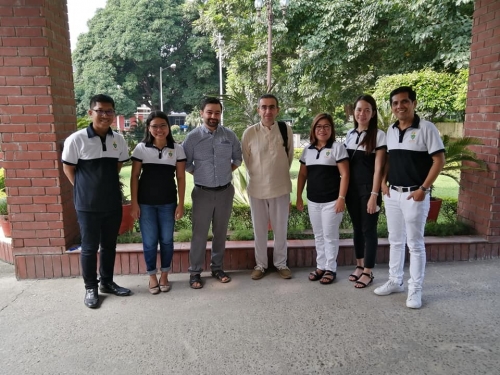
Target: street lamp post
<point x="269" y="6"/>
<point x="173" y="66"/>
<point x="220" y="44"/>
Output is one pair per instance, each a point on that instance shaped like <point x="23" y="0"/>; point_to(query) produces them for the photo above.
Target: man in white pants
<point x="416" y="157"/>
<point x="268" y="164"/>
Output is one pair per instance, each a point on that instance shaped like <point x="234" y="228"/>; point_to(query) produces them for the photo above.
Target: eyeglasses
<point x="268" y="107"/>
<point x="326" y="127"/>
<point x="158" y="127"/>
<point x="100" y="112"/>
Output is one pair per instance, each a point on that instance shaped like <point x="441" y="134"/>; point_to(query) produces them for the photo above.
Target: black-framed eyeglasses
<point x="321" y="127"/>
<point x="100" y="112"/>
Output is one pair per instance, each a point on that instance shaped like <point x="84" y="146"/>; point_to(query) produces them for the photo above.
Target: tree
<point x="327" y="52"/>
<point x="438" y="93"/>
<point x="129" y="41"/>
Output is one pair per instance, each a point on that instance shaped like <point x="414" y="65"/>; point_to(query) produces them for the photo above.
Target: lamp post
<point x="220" y="44"/>
<point x="173" y="66"/>
<point x="269" y="6"/>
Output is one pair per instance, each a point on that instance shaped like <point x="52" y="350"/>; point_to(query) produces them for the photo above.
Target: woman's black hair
<point x="148" y="137"/>
<point x="370" y="139"/>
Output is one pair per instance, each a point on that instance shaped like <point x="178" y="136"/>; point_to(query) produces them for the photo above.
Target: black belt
<point x="217" y="188"/>
<point x="402" y="189"/>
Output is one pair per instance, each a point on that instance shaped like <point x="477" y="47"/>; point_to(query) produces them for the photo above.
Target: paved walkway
<point x="270" y="326"/>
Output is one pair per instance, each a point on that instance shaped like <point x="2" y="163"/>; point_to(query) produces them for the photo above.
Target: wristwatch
<point x="424" y="188"/>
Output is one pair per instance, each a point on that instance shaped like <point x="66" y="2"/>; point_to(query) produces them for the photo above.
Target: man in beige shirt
<point x="269" y="185"/>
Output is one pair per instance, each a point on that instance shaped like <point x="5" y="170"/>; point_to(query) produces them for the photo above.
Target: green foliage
<point x="326" y="52"/>
<point x="438" y="93"/>
<point x="456" y="152"/>
<point x="3" y="206"/>
<point x="175" y="129"/>
<point x="83" y="122"/>
<point x="2" y="180"/>
<point x="129" y="41"/>
<point x="184" y="235"/>
<point x="240" y="183"/>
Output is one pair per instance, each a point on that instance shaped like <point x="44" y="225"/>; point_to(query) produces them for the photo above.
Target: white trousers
<point x="274" y="210"/>
<point x="325" y="224"/>
<point x="406" y="224"/>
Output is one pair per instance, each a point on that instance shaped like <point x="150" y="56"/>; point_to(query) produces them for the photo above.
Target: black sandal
<point x="316" y="275"/>
<point x="362" y="284"/>
<point x="329" y="276"/>
<point x="354" y="277"/>
<point x="195" y="279"/>
<point x="221" y="275"/>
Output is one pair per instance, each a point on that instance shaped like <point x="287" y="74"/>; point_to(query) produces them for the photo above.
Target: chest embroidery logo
<point x="413" y="135"/>
<point x="115" y="146"/>
<point x="170" y="154"/>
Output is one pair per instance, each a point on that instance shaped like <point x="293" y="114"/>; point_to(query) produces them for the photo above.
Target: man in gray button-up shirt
<point x="213" y="152"/>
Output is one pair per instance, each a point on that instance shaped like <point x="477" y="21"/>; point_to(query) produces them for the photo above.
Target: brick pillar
<point x="37" y="112"/>
<point x="479" y="197"/>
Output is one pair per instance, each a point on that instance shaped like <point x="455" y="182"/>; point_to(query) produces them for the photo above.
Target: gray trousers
<point x="276" y="211"/>
<point x="213" y="207"/>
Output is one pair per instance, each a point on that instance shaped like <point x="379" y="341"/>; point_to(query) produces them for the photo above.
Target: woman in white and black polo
<point x="156" y="200"/>
<point x="367" y="147"/>
<point x="325" y="167"/>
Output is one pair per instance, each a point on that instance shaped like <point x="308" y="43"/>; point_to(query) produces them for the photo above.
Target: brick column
<point x="479" y="197"/>
<point x="37" y="112"/>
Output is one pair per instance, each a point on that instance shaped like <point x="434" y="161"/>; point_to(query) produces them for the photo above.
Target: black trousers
<point x="364" y="224"/>
<point x="98" y="229"/>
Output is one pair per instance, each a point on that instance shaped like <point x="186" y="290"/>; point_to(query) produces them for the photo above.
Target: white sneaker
<point x="388" y="288"/>
<point x="414" y="300"/>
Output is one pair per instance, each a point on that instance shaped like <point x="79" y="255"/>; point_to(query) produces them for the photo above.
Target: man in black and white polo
<point x="92" y="159"/>
<point x="416" y="157"/>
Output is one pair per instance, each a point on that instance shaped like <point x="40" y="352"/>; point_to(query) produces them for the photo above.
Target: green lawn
<point x="445" y="187"/>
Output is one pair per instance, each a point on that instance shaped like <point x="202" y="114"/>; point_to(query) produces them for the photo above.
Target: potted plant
<point x="456" y="152"/>
<point x="4" y="218"/>
<point x="127" y="223"/>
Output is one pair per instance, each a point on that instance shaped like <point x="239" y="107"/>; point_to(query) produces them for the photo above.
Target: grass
<point x="444" y="187"/>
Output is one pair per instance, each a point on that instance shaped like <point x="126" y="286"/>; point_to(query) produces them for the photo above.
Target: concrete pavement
<point x="270" y="326"/>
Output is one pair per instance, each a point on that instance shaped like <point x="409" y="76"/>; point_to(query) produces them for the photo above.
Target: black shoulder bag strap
<point x="284" y="134"/>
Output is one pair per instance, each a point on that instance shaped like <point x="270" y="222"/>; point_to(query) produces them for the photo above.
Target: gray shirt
<point x="210" y="155"/>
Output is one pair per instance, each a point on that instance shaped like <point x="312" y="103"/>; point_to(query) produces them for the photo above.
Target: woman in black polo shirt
<point x="367" y="147"/>
<point x="157" y="162"/>
<point x="325" y="167"/>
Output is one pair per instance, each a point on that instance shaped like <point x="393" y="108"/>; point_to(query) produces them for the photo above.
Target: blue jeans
<point x="157" y="226"/>
<point x="98" y="228"/>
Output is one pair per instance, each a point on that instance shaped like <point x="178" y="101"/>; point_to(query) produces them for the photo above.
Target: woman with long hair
<point x="367" y="148"/>
<point x="324" y="165"/>
<point x="157" y="163"/>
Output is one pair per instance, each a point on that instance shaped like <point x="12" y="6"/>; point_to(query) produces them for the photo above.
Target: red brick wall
<point x="37" y="112"/>
<point x="479" y="197"/>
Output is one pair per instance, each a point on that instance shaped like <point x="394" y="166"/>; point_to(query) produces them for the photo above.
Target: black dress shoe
<point x="113" y="288"/>
<point x="91" y="298"/>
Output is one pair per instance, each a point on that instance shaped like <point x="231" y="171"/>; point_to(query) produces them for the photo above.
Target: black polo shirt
<point x="96" y="160"/>
<point x="411" y="150"/>
<point x="323" y="176"/>
<point x="156" y="182"/>
<point x="361" y="165"/>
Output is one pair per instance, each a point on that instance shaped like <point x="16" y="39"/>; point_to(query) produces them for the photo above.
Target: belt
<point x="402" y="189"/>
<point x="217" y="188"/>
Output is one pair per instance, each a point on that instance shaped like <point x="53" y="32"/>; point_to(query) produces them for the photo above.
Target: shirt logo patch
<point x="115" y="146"/>
<point x="328" y="154"/>
<point x="170" y="154"/>
<point x="413" y="135"/>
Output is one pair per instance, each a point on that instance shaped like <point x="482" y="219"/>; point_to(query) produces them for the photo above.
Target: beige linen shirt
<point x="267" y="164"/>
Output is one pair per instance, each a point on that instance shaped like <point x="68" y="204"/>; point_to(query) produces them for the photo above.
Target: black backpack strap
<point x="284" y="134"/>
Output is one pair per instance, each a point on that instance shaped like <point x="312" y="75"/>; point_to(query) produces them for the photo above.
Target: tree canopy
<point x="129" y="41"/>
<point x="326" y="52"/>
